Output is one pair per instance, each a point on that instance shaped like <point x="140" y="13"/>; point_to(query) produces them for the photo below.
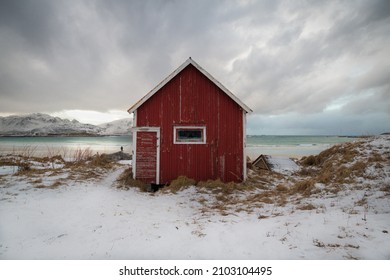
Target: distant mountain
<point x="118" y="127"/>
<point x="45" y="125"/>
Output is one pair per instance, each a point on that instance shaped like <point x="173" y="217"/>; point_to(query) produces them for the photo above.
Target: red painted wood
<point x="146" y="156"/>
<point x="190" y="98"/>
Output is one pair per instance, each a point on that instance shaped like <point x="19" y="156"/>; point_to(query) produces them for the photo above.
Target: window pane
<point x="190" y="135"/>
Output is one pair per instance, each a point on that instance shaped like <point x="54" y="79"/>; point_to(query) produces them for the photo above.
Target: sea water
<point x="63" y="145"/>
<point x="290" y="146"/>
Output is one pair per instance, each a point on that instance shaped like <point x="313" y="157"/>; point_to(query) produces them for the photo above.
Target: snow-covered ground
<point x="56" y="214"/>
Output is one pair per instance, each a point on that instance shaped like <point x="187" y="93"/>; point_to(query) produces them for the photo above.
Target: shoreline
<point x="64" y="135"/>
<point x="248" y="135"/>
<point x="282" y="146"/>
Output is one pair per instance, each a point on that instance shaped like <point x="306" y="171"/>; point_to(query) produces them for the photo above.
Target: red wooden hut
<point x="190" y="125"/>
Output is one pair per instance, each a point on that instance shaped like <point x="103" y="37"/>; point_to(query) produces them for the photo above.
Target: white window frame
<point x="175" y="134"/>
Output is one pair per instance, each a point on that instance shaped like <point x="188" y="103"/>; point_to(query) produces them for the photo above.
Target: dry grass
<point x="309" y="161"/>
<point x="358" y="168"/>
<point x="22" y="163"/>
<point x="85" y="173"/>
<point x="321" y="244"/>
<point x="23" y="168"/>
<point x="344" y="152"/>
<point x="334" y="188"/>
<point x="267" y="197"/>
<point x="386" y="189"/>
<point x="281" y="194"/>
<point x="223" y="195"/>
<point x="83" y="167"/>
<point x="305" y="188"/>
<point x="180" y="183"/>
<point x="307" y="206"/>
<point x="218" y="187"/>
<point x="54" y="185"/>
<point x="281" y="189"/>
<point x="100" y="161"/>
<point x="27" y="151"/>
<point x="344" y="164"/>
<point x="82" y="155"/>
<point x="62" y="152"/>
<point x="306" y="171"/>
<point x="126" y="181"/>
<point x="375" y="157"/>
<point x="361" y="202"/>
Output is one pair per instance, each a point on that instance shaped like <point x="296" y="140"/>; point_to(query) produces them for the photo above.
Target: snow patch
<point x="8" y="169"/>
<point x="282" y="164"/>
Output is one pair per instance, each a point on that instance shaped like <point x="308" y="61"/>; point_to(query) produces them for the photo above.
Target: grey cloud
<point x="319" y="124"/>
<point x="33" y="21"/>
<point x="375" y="101"/>
<point x="275" y="78"/>
<point x="279" y="57"/>
<point x="378" y="76"/>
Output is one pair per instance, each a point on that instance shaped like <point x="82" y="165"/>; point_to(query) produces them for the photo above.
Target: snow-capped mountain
<point x="118" y="127"/>
<point x="38" y="124"/>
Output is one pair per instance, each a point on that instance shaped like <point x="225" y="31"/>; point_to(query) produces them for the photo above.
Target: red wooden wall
<point x="190" y="98"/>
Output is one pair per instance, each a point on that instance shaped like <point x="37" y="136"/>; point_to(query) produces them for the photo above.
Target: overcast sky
<point x="304" y="67"/>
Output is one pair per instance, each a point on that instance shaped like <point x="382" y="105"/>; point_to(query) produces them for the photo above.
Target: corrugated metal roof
<point x="178" y="70"/>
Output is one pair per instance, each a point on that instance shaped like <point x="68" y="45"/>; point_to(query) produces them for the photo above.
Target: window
<point x="189" y="135"/>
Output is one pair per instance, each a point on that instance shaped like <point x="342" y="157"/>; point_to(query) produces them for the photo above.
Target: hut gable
<point x="189" y="61"/>
<point x="189" y="125"/>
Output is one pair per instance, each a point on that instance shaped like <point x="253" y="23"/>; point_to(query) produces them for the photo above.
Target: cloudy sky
<point x="304" y="67"/>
